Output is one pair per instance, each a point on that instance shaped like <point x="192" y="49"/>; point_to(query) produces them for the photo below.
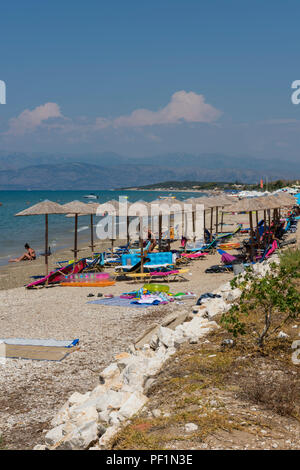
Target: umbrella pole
<point x="46" y="244"/>
<point x="251" y="236"/>
<point x="222" y="220"/>
<point x="194" y="226"/>
<point x="159" y="230"/>
<point x="211" y="222"/>
<point x="217" y="220"/>
<point x="112" y="235"/>
<point x="142" y="249"/>
<point x="169" y="243"/>
<point x="265" y="227"/>
<point x="257" y="231"/>
<point x="92" y="234"/>
<point x="75" y="237"/>
<point x="127" y="222"/>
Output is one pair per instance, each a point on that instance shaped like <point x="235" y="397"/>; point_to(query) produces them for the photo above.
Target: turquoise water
<point x="16" y="231"/>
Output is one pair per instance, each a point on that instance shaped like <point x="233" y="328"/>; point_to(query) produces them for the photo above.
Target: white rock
<point x="233" y="295"/>
<point x="107" y="436"/>
<point x="109" y="373"/>
<point x="282" y="334"/>
<point x="133" y="405"/>
<point x="77" y="398"/>
<point x="166" y="336"/>
<point x="84" y="413"/>
<point x="216" y="306"/>
<point x="54" y="435"/>
<point x="112" y="400"/>
<point x="196" y="328"/>
<point x="133" y="375"/>
<point x="191" y="427"/>
<point x="62" y="416"/>
<point x="137" y="372"/>
<point x="104" y="416"/>
<point x="114" y="418"/>
<point x="98" y="391"/>
<point x="40" y="447"/>
<point x="156" y="413"/>
<point x="82" y="437"/>
<point x="154" y="343"/>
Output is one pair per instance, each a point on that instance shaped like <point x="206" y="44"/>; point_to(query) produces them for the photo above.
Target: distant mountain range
<point x="111" y="171"/>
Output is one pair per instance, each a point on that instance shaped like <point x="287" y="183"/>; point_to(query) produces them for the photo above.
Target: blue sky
<point x="98" y="62"/>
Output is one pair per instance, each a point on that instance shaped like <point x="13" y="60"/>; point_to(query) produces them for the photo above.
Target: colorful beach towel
<point x="40" y="342"/>
<point x="118" y="302"/>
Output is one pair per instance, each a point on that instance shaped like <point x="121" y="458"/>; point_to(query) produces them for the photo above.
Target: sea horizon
<point x="16" y="231"/>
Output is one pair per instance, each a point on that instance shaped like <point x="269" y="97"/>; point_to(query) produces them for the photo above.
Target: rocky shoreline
<point x="90" y="420"/>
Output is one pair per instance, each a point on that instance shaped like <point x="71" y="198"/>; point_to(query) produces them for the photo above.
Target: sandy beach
<point x="33" y="391"/>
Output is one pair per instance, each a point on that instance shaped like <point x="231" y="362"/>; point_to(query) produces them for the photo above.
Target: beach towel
<point x="193" y="255"/>
<point x="37" y="353"/>
<point x="118" y="302"/>
<point x="150" y="300"/>
<point x="226" y="257"/>
<point x="40" y="342"/>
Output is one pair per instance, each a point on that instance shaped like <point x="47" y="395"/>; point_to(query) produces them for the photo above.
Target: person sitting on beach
<point x="28" y="255"/>
<point x="152" y="239"/>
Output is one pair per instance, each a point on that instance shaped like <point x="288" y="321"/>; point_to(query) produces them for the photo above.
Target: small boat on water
<point x="91" y="196"/>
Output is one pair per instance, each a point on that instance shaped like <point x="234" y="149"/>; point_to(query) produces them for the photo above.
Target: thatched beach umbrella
<point x="195" y="202"/>
<point x="249" y="205"/>
<point x="140" y="209"/>
<point x="114" y="208"/>
<point x="76" y="208"/>
<point x="286" y="200"/>
<point x="92" y="210"/>
<point x="211" y="203"/>
<point x="166" y="206"/>
<point x="219" y="202"/>
<point x="44" y="208"/>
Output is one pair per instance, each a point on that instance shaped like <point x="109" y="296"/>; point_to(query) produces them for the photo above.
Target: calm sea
<point x="16" y="231"/>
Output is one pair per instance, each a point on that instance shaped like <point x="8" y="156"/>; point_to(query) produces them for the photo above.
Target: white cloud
<point x="184" y="106"/>
<point x="28" y="120"/>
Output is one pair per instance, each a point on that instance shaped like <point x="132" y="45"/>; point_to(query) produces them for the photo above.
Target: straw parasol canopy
<point x="165" y="207"/>
<point x="247" y="205"/>
<point x="109" y="207"/>
<point x="219" y="201"/>
<point x="91" y="208"/>
<point x="43" y="208"/>
<point x="287" y="200"/>
<point x="77" y="207"/>
<point x="211" y="203"/>
<point x="197" y="201"/>
<point x="167" y="200"/>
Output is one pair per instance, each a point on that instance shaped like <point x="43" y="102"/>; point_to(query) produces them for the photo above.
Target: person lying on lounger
<point x="29" y="255"/>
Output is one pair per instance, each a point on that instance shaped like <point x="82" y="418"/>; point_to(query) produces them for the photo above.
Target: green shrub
<point x="271" y="301"/>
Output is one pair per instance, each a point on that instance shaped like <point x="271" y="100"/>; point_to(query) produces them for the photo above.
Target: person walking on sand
<point x="28" y="255"/>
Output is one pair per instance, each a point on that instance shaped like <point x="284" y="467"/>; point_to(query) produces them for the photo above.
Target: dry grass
<point x="279" y="394"/>
<point x="212" y="387"/>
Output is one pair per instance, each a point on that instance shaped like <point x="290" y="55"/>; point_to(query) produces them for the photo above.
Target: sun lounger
<point x="58" y="275"/>
<point x="138" y="250"/>
<point x="193" y="255"/>
<point x="171" y="275"/>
